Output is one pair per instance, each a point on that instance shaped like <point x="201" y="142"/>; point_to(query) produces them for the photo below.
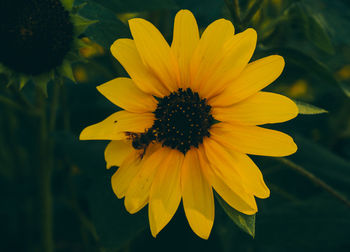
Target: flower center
<point x="36" y="35"/>
<point x="182" y="120"/>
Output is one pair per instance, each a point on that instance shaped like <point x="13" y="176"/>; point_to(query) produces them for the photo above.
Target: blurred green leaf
<point x="67" y="70"/>
<point x="335" y="16"/>
<point x="108" y="29"/>
<point x="328" y="166"/>
<point x="306" y="62"/>
<point x="81" y="24"/>
<point x="316" y="33"/>
<point x="308" y="109"/>
<point x="346" y="88"/>
<point x="120" y="6"/>
<point x="243" y="221"/>
<point x="42" y="80"/>
<point x="68" y="4"/>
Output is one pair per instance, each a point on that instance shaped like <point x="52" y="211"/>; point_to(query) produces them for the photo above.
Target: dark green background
<point x="314" y="38"/>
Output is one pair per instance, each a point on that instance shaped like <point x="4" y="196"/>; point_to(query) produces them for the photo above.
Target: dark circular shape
<point x="183" y="119"/>
<point x="35" y="35"/>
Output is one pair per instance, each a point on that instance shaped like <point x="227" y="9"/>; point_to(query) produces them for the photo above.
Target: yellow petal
<point x="208" y="53"/>
<point x="125" y="94"/>
<point x="165" y="194"/>
<point x="116" y="152"/>
<point x="237" y="52"/>
<point x="115" y="126"/>
<point x="155" y="52"/>
<point x="197" y="196"/>
<point x="244" y="203"/>
<point x="185" y="40"/>
<point x="223" y="172"/>
<point x="122" y="178"/>
<point x="250" y="174"/>
<point x="124" y="50"/>
<point x="252" y="79"/>
<point x="253" y="140"/>
<point x="137" y="194"/>
<point x="260" y="108"/>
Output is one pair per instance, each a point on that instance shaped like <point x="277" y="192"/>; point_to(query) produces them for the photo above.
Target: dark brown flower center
<point x="183" y="119"/>
<point x="36" y="35"/>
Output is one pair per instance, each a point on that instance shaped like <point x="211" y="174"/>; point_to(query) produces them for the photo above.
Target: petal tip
<point x="199" y="223"/>
<point x="184" y="12"/>
<point x="129" y="206"/>
<point x="84" y="134"/>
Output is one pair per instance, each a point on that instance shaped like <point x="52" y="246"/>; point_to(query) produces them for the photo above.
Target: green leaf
<point x="67" y="70"/>
<point x="306" y="62"/>
<point x="81" y="24"/>
<point x="23" y="81"/>
<point x="68" y="4"/>
<point x="243" y="221"/>
<point x="316" y="33"/>
<point x="335" y="15"/>
<point x="42" y="80"/>
<point x="334" y="169"/>
<point x="308" y="109"/>
<point x="108" y="29"/>
<point x="346" y="88"/>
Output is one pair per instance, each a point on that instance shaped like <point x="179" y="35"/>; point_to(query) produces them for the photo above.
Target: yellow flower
<point x="189" y="121"/>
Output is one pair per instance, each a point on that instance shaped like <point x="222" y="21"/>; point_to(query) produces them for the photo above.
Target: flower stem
<point x="44" y="178"/>
<point x="316" y="180"/>
<point x="54" y="104"/>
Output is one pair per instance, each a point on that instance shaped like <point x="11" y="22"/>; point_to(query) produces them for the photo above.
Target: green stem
<point x="54" y="104"/>
<point x="316" y="180"/>
<point x="44" y="178"/>
<point x="252" y="11"/>
<point x="65" y="108"/>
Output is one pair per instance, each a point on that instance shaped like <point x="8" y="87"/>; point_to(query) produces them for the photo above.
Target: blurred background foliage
<point x="314" y="38"/>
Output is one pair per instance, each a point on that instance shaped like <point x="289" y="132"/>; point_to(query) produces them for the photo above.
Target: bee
<point x="142" y="140"/>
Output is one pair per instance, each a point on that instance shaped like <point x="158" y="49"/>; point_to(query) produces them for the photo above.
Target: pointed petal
<point x="222" y="169"/>
<point x="253" y="140"/>
<point x="155" y="52"/>
<point x="206" y="56"/>
<point x="236" y="54"/>
<point x="185" y="40"/>
<point x="122" y="178"/>
<point x="261" y="108"/>
<point x="252" y="79"/>
<point x="124" y="50"/>
<point x="116" y="152"/>
<point x="125" y="94"/>
<point x="165" y="194"/>
<point x="250" y="174"/>
<point x="138" y="192"/>
<point x="115" y="126"/>
<point x="197" y="196"/>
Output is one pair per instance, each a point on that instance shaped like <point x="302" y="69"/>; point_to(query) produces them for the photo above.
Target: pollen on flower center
<point x="36" y="35"/>
<point x="183" y="119"/>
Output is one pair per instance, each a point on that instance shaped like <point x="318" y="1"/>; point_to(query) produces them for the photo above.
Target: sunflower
<point x="39" y="40"/>
<point x="190" y="118"/>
